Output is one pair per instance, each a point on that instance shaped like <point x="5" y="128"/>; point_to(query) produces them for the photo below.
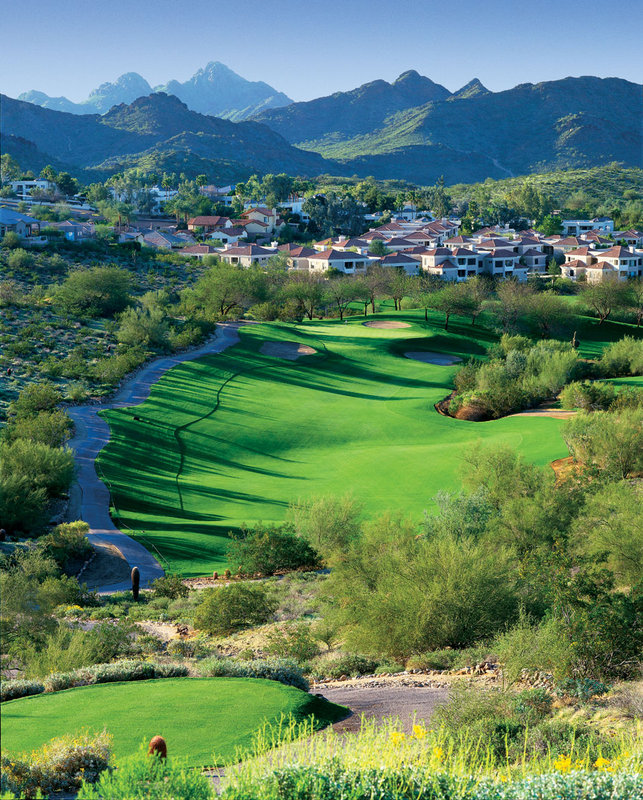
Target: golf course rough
<point x="233" y="438"/>
<point x="205" y="720"/>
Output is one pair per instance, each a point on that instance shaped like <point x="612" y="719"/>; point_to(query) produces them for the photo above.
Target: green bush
<point x="588" y="395"/>
<point x="624" y="357"/>
<point x="94" y="292"/>
<point x="170" y="586"/>
<point x="267" y="550"/>
<point x="293" y="641"/>
<point x="350" y="664"/>
<point x="273" y="669"/>
<point x="233" y="607"/>
<point x="143" y="777"/>
<point x="67" y="543"/>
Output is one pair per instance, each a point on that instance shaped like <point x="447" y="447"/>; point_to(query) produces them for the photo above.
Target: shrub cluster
<point x="60" y="766"/>
<point x="98" y="673"/>
<point x="282" y="670"/>
<point x="519" y="374"/>
<point x="303" y="782"/>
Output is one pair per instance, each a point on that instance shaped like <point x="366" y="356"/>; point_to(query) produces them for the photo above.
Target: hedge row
<point x="98" y="673"/>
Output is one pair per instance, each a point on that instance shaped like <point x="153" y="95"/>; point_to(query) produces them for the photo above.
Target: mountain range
<point x="214" y="90"/>
<point x="411" y="128"/>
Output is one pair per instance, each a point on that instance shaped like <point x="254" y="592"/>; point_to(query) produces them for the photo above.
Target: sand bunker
<point x="427" y="357"/>
<point x="383" y="323"/>
<point x="288" y="350"/>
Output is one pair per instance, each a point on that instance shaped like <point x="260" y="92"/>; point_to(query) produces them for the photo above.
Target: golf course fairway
<point x="203" y="720"/>
<point x="233" y="438"/>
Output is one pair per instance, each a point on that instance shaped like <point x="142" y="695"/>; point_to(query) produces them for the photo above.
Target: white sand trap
<point x="433" y="358"/>
<point x="288" y="350"/>
<point x="386" y="323"/>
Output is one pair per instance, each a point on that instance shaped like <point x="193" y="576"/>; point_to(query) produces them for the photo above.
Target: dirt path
<point x="90" y="498"/>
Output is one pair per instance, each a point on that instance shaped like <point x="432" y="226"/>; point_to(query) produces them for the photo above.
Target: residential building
<point x="11" y="221"/>
<point x="247" y="255"/>
<point x="342" y="260"/>
<point x="24" y="188"/>
<point x="575" y="227"/>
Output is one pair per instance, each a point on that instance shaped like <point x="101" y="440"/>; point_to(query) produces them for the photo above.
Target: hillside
<point x="360" y="111"/>
<point x="215" y="90"/>
<point x="159" y="124"/>
<point x="475" y="134"/>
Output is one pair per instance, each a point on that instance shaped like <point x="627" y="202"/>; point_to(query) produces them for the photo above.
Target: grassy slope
<point x="356" y="418"/>
<point x="202" y="719"/>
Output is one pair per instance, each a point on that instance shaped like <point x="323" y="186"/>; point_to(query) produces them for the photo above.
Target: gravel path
<point x="408" y="703"/>
<point x="90" y="497"/>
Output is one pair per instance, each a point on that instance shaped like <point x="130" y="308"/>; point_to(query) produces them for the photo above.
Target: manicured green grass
<point x="202" y="719"/>
<point x="247" y="434"/>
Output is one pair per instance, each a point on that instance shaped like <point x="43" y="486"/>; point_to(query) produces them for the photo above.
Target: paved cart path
<point x="90" y="496"/>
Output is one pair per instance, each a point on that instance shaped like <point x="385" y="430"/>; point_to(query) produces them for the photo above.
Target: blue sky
<point x="308" y="48"/>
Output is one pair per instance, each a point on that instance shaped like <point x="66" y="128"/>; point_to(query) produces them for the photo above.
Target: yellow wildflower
<point x="397" y="737"/>
<point x="438" y="753"/>
<point x="602" y="763"/>
<point x="419" y="731"/>
<point x="563" y="763"/>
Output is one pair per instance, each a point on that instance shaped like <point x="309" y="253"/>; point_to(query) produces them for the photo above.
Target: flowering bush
<point x="60" y="766"/>
<point x="20" y="688"/>
<point x="283" y="670"/>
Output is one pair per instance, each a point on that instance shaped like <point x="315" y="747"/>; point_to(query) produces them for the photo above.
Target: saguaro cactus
<point x="136" y="582"/>
<point x="158" y="747"/>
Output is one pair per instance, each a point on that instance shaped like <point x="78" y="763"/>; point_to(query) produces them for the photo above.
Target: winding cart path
<point x="90" y="499"/>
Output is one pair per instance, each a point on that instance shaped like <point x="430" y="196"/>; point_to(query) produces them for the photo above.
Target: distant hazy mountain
<point x="215" y="90"/>
<point x="219" y="91"/>
<point x="157" y="131"/>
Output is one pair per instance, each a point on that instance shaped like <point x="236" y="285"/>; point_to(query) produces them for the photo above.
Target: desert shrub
<point x="67" y="542"/>
<point x="34" y="398"/>
<point x="350" y="664"/>
<point x="264" y="311"/>
<point x="293" y="641"/>
<point x="112" y="673"/>
<point x="77" y="391"/>
<point x="184" y="648"/>
<point x="73" y="648"/>
<point x="534" y="703"/>
<point x="609" y="523"/>
<point x="436" y="659"/>
<point x="624" y="357"/>
<point x="22" y="505"/>
<point x="60" y="766"/>
<point x="611" y="444"/>
<point x="588" y="395"/>
<point x="10" y="690"/>
<point x="49" y="428"/>
<point x="94" y="292"/>
<point x="397" y="593"/>
<point x="113" y="369"/>
<point x="143" y="777"/>
<point x="582" y="689"/>
<point x="267" y="550"/>
<point x="535" y="646"/>
<point x="144" y="327"/>
<point x="170" y="586"/>
<point x="283" y="670"/>
<point x="328" y="524"/>
<point x="233" y="607"/>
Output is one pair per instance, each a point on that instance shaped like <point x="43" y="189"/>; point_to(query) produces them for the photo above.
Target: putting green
<point x="234" y="438"/>
<point x="202" y="719"/>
